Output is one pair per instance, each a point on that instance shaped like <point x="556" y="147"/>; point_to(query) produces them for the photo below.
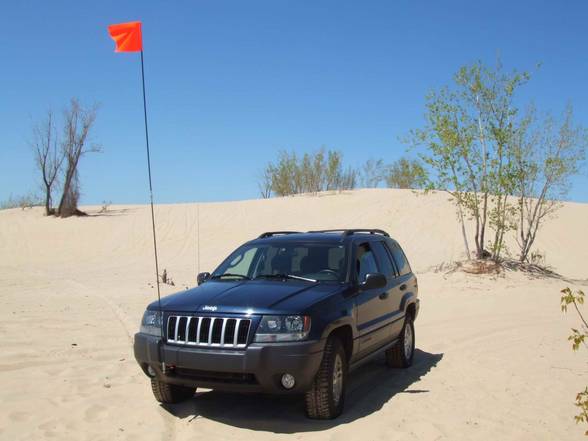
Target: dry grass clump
<point x="481" y="267"/>
<point x="488" y="266"/>
<point x="165" y="278"/>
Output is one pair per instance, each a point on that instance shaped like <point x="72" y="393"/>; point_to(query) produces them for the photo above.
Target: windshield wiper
<point x="284" y="276"/>
<point x="239" y="276"/>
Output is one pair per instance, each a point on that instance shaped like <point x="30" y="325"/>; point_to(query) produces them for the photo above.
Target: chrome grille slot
<point x="208" y="331"/>
<point x="171" y="325"/>
<point x="217" y="330"/>
<point x="243" y="331"/>
<point x="193" y="328"/>
<point x="181" y="329"/>
<point x="204" y="330"/>
<point x="230" y="331"/>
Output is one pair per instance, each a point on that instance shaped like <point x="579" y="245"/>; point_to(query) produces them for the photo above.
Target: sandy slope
<point x="492" y="360"/>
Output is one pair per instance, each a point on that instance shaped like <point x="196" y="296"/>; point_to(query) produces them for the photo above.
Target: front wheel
<point x="326" y="397"/>
<point x="401" y="354"/>
<point x="170" y="393"/>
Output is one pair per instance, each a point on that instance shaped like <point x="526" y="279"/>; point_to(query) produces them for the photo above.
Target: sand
<point x="492" y="359"/>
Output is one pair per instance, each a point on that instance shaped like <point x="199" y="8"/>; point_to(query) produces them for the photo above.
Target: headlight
<point x="151" y="323"/>
<point x="275" y="328"/>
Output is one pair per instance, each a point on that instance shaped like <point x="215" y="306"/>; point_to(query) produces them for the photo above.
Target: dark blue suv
<point x="288" y="312"/>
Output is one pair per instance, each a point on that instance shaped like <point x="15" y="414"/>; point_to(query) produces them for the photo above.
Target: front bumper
<point x="257" y="368"/>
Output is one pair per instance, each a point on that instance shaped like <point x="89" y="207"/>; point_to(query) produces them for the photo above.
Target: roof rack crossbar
<point x="349" y="232"/>
<point x="275" y="233"/>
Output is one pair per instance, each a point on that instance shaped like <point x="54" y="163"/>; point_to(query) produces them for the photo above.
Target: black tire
<point x="321" y="401"/>
<point x="396" y="356"/>
<point x="170" y="393"/>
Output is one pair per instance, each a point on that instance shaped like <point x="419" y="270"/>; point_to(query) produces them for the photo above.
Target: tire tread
<point x="170" y="393"/>
<point x="319" y="398"/>
<point x="395" y="355"/>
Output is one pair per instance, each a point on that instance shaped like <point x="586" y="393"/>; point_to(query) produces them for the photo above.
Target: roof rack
<point x="275" y="233"/>
<point x="349" y="232"/>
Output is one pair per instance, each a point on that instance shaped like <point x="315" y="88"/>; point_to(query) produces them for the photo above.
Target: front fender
<point x="342" y="321"/>
<point x="332" y="313"/>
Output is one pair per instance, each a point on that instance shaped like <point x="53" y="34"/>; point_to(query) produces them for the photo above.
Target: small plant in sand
<point x="165" y="278"/>
<point x="27" y="201"/>
<point x="537" y="258"/>
<point x="578" y="338"/>
<point x="105" y="206"/>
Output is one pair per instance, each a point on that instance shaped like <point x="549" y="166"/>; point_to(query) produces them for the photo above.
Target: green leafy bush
<point x="578" y="338"/>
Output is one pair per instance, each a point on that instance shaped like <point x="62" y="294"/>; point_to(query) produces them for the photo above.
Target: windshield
<point x="320" y="262"/>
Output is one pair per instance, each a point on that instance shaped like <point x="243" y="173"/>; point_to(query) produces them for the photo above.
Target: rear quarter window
<point x="399" y="257"/>
<point x="386" y="264"/>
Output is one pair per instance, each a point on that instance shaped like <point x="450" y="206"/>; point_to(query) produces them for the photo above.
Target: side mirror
<point x="373" y="281"/>
<point x="202" y="277"/>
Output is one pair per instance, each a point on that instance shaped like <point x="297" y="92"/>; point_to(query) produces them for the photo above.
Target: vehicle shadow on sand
<point x="370" y="387"/>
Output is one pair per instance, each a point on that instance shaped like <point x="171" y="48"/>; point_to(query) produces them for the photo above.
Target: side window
<point x="366" y="262"/>
<point x="399" y="258"/>
<point x="386" y="264"/>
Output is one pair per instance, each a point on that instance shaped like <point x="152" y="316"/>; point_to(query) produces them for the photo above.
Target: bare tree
<point x="545" y="161"/>
<point x="78" y="122"/>
<point x="372" y="172"/>
<point x="333" y="169"/>
<point x="348" y="179"/>
<point x="48" y="157"/>
<point x="264" y="182"/>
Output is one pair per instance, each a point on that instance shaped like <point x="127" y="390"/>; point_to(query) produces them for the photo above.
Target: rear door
<point x="406" y="279"/>
<point x="394" y="289"/>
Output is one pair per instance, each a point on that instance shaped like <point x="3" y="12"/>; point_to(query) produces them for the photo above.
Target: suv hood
<point x="247" y="297"/>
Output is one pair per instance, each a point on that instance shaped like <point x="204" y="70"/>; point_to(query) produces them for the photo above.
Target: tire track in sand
<point x="169" y="423"/>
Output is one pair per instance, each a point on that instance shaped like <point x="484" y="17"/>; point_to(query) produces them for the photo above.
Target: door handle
<point x="383" y="296"/>
<point x="403" y="287"/>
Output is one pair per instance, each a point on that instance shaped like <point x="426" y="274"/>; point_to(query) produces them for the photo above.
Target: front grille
<point x="208" y="331"/>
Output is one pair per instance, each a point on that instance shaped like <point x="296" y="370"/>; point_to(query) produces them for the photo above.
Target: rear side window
<point x="399" y="258"/>
<point x="386" y="265"/>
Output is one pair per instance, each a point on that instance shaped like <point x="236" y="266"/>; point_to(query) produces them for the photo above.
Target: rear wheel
<point x="326" y="397"/>
<point x="401" y="354"/>
<point x="170" y="393"/>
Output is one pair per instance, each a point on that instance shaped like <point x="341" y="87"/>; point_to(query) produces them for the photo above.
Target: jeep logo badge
<point x="209" y="308"/>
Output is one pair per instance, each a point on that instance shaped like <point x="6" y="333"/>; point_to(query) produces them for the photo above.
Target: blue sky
<point x="232" y="82"/>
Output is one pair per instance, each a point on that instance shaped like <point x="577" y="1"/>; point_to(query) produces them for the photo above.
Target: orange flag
<point x="127" y="36"/>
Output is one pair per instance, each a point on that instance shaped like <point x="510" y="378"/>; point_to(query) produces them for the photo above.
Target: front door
<point x="371" y="310"/>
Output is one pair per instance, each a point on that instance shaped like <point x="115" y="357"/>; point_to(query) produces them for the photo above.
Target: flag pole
<point x="151" y="193"/>
<point x="198" y="238"/>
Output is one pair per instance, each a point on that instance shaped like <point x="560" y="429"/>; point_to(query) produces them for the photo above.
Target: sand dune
<point x="492" y="362"/>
